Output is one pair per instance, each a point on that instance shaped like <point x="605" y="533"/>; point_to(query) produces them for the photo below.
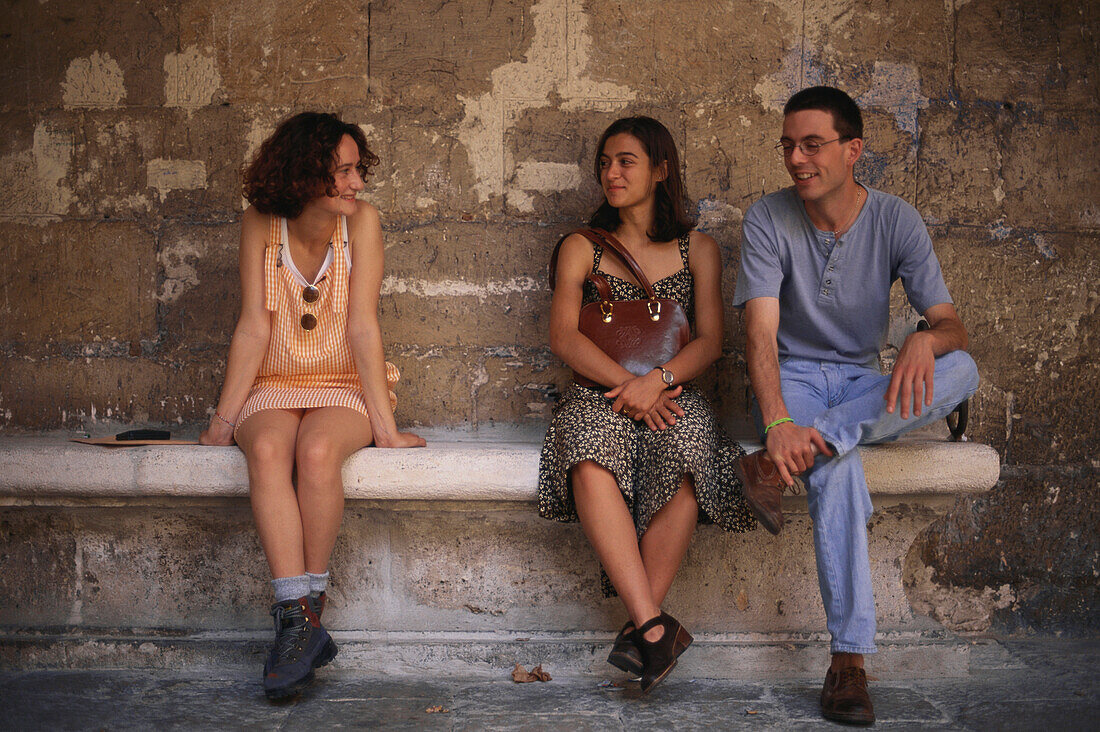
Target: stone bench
<point x="147" y="556"/>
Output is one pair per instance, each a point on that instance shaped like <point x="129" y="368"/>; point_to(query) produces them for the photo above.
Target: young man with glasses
<point x="817" y="263"/>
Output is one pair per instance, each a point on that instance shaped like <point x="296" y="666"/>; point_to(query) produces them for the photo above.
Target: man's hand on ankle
<point x="793" y="448"/>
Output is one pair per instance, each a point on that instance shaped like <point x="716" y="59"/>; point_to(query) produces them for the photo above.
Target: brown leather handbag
<point x="639" y="335"/>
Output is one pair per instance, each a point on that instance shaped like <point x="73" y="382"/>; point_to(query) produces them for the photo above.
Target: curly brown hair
<point x="296" y="164"/>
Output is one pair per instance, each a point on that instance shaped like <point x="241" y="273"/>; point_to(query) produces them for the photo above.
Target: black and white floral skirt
<point x="649" y="466"/>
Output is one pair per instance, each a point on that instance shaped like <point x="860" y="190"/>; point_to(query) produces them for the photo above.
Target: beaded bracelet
<point x="223" y="419"/>
<point x="778" y="421"/>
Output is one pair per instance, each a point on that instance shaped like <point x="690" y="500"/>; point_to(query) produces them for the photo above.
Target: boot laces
<point x="291" y="627"/>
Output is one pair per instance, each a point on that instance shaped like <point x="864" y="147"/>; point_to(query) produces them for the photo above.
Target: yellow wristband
<point x="778" y="421"/>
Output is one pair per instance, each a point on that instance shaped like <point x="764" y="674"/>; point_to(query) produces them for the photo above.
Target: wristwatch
<point x="666" y="376"/>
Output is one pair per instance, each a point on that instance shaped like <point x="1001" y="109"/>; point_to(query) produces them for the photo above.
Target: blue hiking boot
<point x="301" y="645"/>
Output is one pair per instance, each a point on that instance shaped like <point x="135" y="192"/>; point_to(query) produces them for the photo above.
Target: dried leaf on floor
<point x="521" y="676"/>
<point x="437" y="709"/>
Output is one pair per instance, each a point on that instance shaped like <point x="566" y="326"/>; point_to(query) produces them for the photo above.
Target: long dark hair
<point x="670" y="219"/>
<point x="295" y="164"/>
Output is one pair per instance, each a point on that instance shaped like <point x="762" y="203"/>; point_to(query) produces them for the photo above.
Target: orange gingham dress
<point x="305" y="369"/>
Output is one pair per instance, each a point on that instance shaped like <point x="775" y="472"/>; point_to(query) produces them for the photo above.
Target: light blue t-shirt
<point x="834" y="296"/>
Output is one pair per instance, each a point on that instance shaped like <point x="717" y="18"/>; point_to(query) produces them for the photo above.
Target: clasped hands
<point x="647" y="398"/>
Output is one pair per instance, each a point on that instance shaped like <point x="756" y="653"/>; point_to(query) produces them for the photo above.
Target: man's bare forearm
<point x="762" y="356"/>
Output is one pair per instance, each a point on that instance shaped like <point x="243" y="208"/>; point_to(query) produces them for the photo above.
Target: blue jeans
<point x="845" y="404"/>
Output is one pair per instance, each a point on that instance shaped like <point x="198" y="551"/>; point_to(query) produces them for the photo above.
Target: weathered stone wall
<point x="125" y="126"/>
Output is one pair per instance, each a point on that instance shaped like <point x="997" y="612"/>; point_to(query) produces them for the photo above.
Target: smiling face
<point x="627" y="175"/>
<point x="823" y="175"/>
<point x="347" y="181"/>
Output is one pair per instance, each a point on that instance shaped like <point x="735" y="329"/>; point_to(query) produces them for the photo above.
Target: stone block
<point x="305" y="56"/>
<point x="725" y="583"/>
<point x="549" y="156"/>
<point x="77" y="282"/>
<point x="198" y="288"/>
<point x="895" y="54"/>
<point x="505" y="319"/>
<point x="1030" y="360"/>
<point x="730" y="160"/>
<point x="521" y="387"/>
<point x="696" y="50"/>
<point x="501" y="569"/>
<point x="429" y="175"/>
<point x="889" y="160"/>
<point x="1045" y="186"/>
<point x="167" y="568"/>
<point x="42" y="577"/>
<point x="471" y="387"/>
<point x="456" y="52"/>
<point x="1022" y="51"/>
<point x="361" y="569"/>
<point x="77" y="393"/>
<point x="86" y="55"/>
<point x="959" y="166"/>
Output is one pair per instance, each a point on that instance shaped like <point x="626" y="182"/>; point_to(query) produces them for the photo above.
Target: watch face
<point x="667" y="377"/>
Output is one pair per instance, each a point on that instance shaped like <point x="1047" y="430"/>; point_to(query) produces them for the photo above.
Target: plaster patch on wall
<point x="537" y="177"/>
<point x="53" y="152"/>
<point x="555" y="62"/>
<point x="95" y="81"/>
<point x="393" y="285"/>
<point x="798" y="71"/>
<point x="712" y="214"/>
<point x="178" y="261"/>
<point x="171" y="175"/>
<point x="959" y="608"/>
<point x="191" y="79"/>
<point x="896" y="88"/>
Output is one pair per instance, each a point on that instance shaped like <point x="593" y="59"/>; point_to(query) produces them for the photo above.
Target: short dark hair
<point x="670" y="220"/>
<point x="846" y="115"/>
<point x="296" y="164"/>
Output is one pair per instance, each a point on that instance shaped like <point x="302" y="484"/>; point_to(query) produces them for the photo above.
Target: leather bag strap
<point x="608" y="242"/>
<point x="602" y="285"/>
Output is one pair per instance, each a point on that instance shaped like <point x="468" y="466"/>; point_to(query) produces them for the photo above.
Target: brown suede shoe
<point x="763" y="488"/>
<point x="844" y="698"/>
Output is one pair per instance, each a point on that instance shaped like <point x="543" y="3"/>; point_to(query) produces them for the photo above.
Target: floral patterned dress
<point x="649" y="466"/>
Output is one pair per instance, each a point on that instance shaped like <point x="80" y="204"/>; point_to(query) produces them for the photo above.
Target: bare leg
<point x="326" y="438"/>
<point x="666" y="540"/>
<point x="267" y="439"/>
<point x="610" y="530"/>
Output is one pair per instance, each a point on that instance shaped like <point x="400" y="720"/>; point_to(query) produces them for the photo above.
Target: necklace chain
<point x="852" y="217"/>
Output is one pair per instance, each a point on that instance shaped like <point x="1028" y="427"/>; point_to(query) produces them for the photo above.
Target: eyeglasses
<point x="809" y="148"/>
<point x="310" y="294"/>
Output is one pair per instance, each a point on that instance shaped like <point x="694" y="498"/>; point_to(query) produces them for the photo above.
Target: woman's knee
<point x="268" y="449"/>
<point x="316" y="454"/>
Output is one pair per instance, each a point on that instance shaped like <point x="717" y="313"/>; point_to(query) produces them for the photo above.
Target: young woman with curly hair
<point x="306" y="384"/>
<point x="642" y="460"/>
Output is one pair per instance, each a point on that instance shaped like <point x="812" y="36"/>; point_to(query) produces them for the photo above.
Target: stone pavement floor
<point x="1026" y="685"/>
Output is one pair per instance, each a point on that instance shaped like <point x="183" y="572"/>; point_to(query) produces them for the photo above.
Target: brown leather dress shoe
<point x="763" y="488"/>
<point x="845" y="698"/>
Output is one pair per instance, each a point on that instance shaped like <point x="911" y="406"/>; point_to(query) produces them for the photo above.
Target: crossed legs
<point x="641" y="572"/>
<point x="298" y="525"/>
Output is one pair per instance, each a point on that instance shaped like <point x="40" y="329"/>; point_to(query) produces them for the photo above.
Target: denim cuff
<point x="835" y="647"/>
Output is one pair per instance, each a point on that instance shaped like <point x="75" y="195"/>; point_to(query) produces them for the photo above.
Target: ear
<point x="855" y="150"/>
<point x="662" y="171"/>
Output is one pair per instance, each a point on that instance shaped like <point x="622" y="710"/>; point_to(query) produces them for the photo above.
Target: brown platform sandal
<point x="660" y="655"/>
<point x="624" y="653"/>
